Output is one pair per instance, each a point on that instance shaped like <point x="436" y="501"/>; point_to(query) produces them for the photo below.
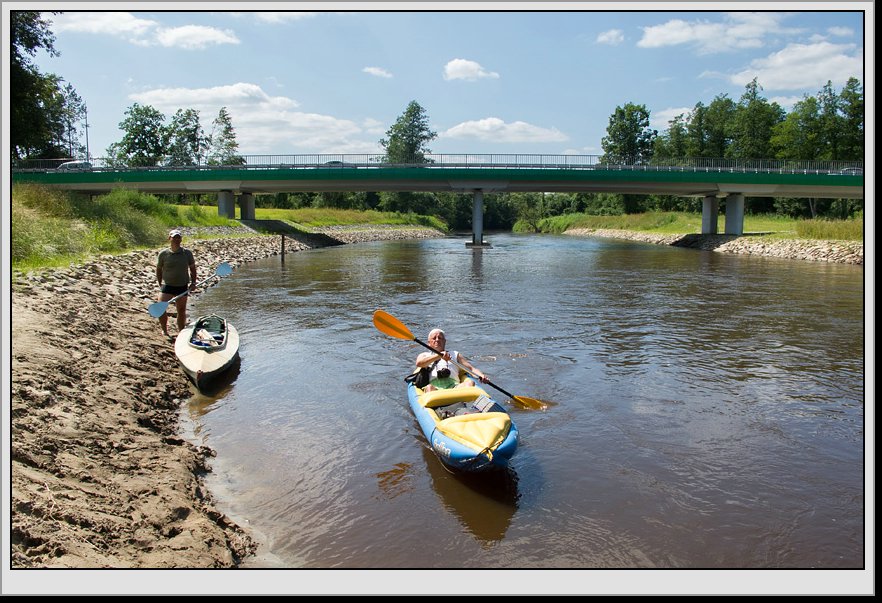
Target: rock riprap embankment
<point x="842" y="252"/>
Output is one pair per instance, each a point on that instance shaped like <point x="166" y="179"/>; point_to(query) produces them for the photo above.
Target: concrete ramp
<point x="310" y="239"/>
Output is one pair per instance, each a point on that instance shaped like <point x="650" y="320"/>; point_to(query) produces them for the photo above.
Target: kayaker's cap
<point x="174" y="233"/>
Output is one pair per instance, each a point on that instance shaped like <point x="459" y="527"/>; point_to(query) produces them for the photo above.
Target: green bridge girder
<point x="690" y="182"/>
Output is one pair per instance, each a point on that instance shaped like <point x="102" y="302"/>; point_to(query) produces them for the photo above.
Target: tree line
<point x="46" y="115"/>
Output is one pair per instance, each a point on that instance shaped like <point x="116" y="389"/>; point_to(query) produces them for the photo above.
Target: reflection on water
<point x="708" y="407"/>
<point x="483" y="503"/>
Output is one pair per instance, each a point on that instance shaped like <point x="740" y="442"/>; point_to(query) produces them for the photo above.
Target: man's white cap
<point x="174" y="233"/>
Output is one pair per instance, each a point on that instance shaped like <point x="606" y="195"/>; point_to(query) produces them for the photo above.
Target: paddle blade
<point x="157" y="309"/>
<point x="531" y="403"/>
<point x="224" y="269"/>
<point x="391" y="326"/>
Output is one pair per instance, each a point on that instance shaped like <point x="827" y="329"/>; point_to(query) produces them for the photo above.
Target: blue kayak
<point x="466" y="428"/>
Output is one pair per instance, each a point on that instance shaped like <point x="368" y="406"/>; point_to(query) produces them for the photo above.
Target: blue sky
<point x="492" y="81"/>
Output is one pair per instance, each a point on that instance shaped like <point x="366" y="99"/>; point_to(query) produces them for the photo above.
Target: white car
<point x="75" y="165"/>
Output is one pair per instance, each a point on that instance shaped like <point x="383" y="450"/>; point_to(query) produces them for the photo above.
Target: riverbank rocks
<point x="840" y="252"/>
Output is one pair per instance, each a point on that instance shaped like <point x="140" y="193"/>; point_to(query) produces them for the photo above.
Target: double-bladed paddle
<point x="157" y="309"/>
<point x="388" y="324"/>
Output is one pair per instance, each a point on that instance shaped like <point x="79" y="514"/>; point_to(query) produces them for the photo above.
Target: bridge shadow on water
<point x="705" y="241"/>
<point x="310" y="239"/>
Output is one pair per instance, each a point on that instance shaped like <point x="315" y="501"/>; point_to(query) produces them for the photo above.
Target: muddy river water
<point x="707" y="410"/>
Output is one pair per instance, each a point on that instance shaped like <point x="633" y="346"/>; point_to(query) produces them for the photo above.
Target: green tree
<point x="719" y="124"/>
<point x="708" y="128"/>
<point x="831" y="123"/>
<point x="144" y="139"/>
<point x="851" y="103"/>
<point x="798" y="135"/>
<point x="406" y="140"/>
<point x="223" y="148"/>
<point x="37" y="102"/>
<point x="73" y="111"/>
<point x="752" y="125"/>
<point x="629" y="138"/>
<point x="187" y="143"/>
<point x="673" y="142"/>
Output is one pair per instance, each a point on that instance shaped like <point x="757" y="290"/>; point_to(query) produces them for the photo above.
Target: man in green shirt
<point x="173" y="267"/>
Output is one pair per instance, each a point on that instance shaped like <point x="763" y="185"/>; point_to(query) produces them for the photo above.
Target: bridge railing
<point x="470" y="161"/>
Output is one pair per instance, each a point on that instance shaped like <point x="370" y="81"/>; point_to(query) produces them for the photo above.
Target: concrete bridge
<point x="709" y="179"/>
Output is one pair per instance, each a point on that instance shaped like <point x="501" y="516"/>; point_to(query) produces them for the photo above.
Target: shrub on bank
<point x="52" y="227"/>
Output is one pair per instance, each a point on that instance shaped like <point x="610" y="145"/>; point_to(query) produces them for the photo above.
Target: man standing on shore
<point x="173" y="267"/>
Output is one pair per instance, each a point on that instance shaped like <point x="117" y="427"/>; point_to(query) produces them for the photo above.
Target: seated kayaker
<point x="445" y="372"/>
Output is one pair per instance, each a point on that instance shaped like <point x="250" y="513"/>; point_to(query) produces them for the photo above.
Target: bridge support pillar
<point x="710" y="213"/>
<point x="478" y="221"/>
<point x="735" y="214"/>
<point x="246" y="206"/>
<point x="226" y="204"/>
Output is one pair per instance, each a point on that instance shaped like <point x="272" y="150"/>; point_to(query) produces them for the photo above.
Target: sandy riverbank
<point x="100" y="474"/>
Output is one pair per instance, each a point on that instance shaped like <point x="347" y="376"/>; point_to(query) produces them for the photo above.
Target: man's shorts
<point x="174" y="289"/>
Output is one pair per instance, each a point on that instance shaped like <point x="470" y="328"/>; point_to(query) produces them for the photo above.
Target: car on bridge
<point x="338" y="164"/>
<point x="75" y="165"/>
<point x="851" y="171"/>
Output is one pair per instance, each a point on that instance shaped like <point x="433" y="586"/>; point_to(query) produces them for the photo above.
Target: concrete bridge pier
<point x="735" y="214"/>
<point x="710" y="213"/>
<point x="478" y="220"/>
<point x="226" y="204"/>
<point x="246" y="206"/>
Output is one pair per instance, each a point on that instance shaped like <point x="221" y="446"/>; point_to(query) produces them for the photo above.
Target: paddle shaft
<point x="391" y="326"/>
<point x="157" y="309"/>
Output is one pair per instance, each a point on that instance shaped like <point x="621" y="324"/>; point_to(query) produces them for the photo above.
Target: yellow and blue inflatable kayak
<point x="466" y="428"/>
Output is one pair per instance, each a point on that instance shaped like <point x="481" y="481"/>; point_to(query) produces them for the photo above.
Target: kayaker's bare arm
<point x="427" y="358"/>
<point x="468" y="367"/>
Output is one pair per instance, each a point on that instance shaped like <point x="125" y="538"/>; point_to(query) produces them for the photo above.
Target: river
<point x="707" y="410"/>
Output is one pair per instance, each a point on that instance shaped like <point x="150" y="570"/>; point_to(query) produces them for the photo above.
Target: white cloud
<point x="613" y="37"/>
<point x="841" y="31"/>
<point x="266" y="123"/>
<point x="786" y="102"/>
<point x="736" y="31"/>
<point x="120" y="25"/>
<point x="142" y="32"/>
<point x="463" y="69"/>
<point x="194" y="37"/>
<point x="373" y="126"/>
<point x="236" y="95"/>
<point x="661" y="120"/>
<point x="377" y="71"/>
<point x="800" y="66"/>
<point x="493" y="129"/>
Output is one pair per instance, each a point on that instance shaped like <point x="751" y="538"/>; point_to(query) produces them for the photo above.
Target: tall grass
<point x="661" y="222"/>
<point x="52" y="228"/>
<point x="837" y="230"/>
<point x="689" y="223"/>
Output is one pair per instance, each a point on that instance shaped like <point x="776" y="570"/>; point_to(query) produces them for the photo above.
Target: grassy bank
<point x="688" y="223"/>
<point x="53" y="228"/>
<point x="318" y="217"/>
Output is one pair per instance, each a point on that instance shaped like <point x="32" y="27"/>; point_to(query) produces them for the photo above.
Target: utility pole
<point x="86" y="117"/>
